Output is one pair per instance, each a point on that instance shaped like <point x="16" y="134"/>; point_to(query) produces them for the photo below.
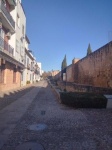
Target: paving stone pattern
<point x="66" y="128"/>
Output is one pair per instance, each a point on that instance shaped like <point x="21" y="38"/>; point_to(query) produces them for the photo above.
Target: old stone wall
<point x="73" y="87"/>
<point x="92" y="70"/>
<point x="58" y="76"/>
<point x="69" y="73"/>
<point x="96" y="68"/>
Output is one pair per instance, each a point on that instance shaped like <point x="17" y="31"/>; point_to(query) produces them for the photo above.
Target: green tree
<point x="89" y="50"/>
<point x="64" y="62"/>
<point x="63" y="66"/>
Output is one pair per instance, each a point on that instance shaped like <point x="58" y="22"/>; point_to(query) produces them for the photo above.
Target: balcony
<point x="6" y="18"/>
<point x="12" y="4"/>
<point x="5" y="47"/>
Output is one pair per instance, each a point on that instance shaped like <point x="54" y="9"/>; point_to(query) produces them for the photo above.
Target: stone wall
<point x="73" y="87"/>
<point x="92" y="70"/>
<point x="69" y="75"/>
<point x="54" y="72"/>
<point x="96" y="68"/>
<point x="58" y="76"/>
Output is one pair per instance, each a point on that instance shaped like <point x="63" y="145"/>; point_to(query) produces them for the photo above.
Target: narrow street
<point x="38" y="121"/>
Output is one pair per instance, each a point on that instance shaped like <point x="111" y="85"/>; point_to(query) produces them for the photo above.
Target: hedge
<point x="83" y="100"/>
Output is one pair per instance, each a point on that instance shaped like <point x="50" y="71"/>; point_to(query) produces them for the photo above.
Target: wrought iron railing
<point x="5" y="47"/>
<point x="7" y="14"/>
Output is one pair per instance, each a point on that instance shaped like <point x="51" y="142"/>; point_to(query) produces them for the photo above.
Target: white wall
<point x="40" y="66"/>
<point x="17" y="40"/>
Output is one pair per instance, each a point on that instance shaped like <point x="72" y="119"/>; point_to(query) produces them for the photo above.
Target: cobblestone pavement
<point x="57" y="127"/>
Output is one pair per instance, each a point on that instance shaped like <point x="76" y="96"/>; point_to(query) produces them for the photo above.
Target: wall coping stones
<point x="109" y="101"/>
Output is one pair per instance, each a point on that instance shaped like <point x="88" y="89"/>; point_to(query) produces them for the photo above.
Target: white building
<point x="18" y="39"/>
<point x="32" y="70"/>
<point x="27" y="74"/>
<point x="17" y="64"/>
<point x="10" y="64"/>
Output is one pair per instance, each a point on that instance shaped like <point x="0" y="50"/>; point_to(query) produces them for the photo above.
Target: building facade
<point x="32" y="68"/>
<point x="10" y="67"/>
<point x="29" y="64"/>
<point x="18" y="67"/>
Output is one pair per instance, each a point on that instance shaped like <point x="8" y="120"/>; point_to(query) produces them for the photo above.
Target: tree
<point x="63" y="66"/>
<point x="64" y="62"/>
<point x="89" y="50"/>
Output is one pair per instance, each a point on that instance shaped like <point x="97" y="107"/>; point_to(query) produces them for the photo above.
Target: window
<point x="23" y="30"/>
<point x="2" y="38"/>
<point x="27" y="61"/>
<point x="14" y="75"/>
<point x="22" y="51"/>
<point x="2" y="33"/>
<point x="17" y="46"/>
<point x="18" y="20"/>
<point x="31" y="66"/>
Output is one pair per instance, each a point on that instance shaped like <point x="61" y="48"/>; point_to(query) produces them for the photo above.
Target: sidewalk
<point x="10" y="115"/>
<point x="8" y="92"/>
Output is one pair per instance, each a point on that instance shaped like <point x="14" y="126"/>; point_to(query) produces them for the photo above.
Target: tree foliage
<point x="89" y="50"/>
<point x="64" y="63"/>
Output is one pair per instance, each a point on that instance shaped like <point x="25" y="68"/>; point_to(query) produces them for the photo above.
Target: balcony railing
<point x="7" y="14"/>
<point x="5" y="47"/>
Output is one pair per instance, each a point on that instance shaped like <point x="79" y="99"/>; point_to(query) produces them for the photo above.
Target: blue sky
<point x="59" y="27"/>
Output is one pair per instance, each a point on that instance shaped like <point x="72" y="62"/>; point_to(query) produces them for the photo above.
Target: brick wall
<point x="8" y="83"/>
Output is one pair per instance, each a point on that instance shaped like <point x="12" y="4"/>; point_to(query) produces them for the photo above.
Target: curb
<point x="109" y="101"/>
<point x="56" y="91"/>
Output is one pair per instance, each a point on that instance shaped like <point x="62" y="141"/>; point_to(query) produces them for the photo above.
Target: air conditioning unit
<point x="8" y="35"/>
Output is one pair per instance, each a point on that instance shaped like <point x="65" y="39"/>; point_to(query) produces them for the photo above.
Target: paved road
<point x="37" y="117"/>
